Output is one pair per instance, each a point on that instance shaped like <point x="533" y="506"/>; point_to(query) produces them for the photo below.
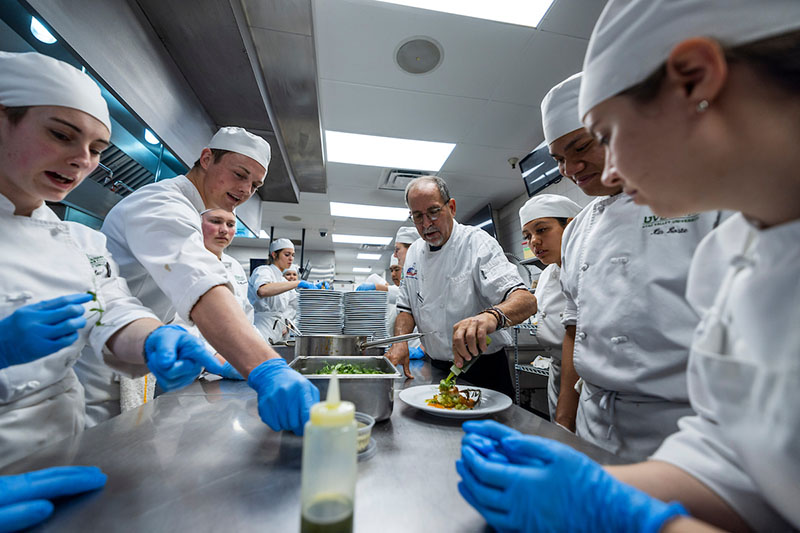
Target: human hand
<point x="470" y="337"/>
<point x="398" y="355"/>
<point x="323" y="285"/>
<point x="284" y="396"/>
<point x="37" y="330"/>
<point x="176" y="357"/>
<point x="366" y="287"/>
<point x="25" y="498"/>
<point x="224" y="369"/>
<point x="415" y="353"/>
<point x="303" y="284"/>
<point x="542" y="484"/>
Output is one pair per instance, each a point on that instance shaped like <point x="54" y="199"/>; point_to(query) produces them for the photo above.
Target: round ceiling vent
<point x="419" y="55"/>
<point x="292" y="218"/>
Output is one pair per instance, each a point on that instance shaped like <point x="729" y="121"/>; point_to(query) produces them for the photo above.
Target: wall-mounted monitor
<point x="539" y="170"/>
<point x="483" y="219"/>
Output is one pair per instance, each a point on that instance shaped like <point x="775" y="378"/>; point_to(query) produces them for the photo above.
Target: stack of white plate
<point x="321" y="312"/>
<point x="365" y="313"/>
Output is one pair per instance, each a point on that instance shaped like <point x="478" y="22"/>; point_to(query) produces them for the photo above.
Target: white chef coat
<point x="744" y="374"/>
<point x="624" y="278"/>
<point x="44" y="258"/>
<point x="156" y="237"/>
<point x="270" y="312"/>
<point x="108" y="394"/>
<point x="465" y="276"/>
<point x="549" y="329"/>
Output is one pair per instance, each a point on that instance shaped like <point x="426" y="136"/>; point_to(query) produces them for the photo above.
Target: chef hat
<point x="33" y="79"/>
<point x="280" y="244"/>
<point x="394" y="262"/>
<point x="560" y="109"/>
<point x="406" y="235"/>
<point x="376" y="279"/>
<point x="292" y="268"/>
<point x="547" y="205"/>
<point x="243" y="142"/>
<point x="633" y="38"/>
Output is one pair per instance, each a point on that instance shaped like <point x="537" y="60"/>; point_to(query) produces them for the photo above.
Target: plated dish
<point x="490" y="402"/>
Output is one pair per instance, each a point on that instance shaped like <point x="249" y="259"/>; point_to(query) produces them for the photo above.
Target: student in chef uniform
<point x="406" y="236"/>
<point x="395" y="271"/>
<point x="543" y="219"/>
<point x="271" y="294"/>
<point x="710" y="110"/>
<point x="623" y="274"/>
<point x="53" y="125"/>
<point x="155" y="234"/>
<point x="458" y="287"/>
<point x="290" y="274"/>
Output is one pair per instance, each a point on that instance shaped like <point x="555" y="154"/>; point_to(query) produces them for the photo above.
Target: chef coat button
<point x="619" y="340"/>
<point x="580" y="336"/>
<point x="600" y="208"/>
<point x="33" y="384"/>
<point x="584" y="266"/>
<point x="55" y="231"/>
<point x="544" y="315"/>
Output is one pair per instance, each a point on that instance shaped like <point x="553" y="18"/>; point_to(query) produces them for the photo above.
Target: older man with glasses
<point x="459" y="289"/>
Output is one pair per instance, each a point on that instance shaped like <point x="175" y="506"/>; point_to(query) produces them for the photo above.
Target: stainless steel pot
<point x="343" y="345"/>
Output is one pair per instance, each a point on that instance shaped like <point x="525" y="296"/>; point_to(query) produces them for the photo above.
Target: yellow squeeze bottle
<point x="329" y="465"/>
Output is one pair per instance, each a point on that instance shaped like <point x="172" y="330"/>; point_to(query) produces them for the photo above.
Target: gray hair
<point x="444" y="192"/>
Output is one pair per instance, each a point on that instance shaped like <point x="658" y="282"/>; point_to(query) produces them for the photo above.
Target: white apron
<point x="549" y="330"/>
<point x="270" y="312"/>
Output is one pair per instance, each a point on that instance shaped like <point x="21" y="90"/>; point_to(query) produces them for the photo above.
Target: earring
<point x="702" y="105"/>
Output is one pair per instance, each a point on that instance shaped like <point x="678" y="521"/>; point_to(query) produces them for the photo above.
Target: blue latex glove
<point x="284" y="396"/>
<point x="175" y="357"/>
<point x="25" y="498"/>
<point x="36" y="330"/>
<point x="323" y="285"/>
<point x="551" y="487"/>
<point x="366" y="287"/>
<point x="225" y="370"/>
<point x="306" y="285"/>
<point x="415" y="353"/>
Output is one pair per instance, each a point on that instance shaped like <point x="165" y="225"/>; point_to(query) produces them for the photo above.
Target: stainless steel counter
<point x="201" y="460"/>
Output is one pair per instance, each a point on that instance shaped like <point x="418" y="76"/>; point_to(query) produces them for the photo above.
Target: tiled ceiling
<point x="484" y="97"/>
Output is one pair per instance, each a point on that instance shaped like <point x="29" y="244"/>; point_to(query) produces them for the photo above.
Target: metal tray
<point x="371" y="393"/>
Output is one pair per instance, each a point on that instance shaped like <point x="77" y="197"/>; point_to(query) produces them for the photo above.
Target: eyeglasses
<point x="433" y="214"/>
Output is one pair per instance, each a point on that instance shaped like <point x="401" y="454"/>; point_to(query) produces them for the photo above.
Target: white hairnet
<point x="406" y="235"/>
<point x="33" y="79"/>
<point x="547" y="205"/>
<point x="394" y="262"/>
<point x="560" y="109"/>
<point x="243" y="142"/>
<point x="292" y="268"/>
<point x="280" y="244"/>
<point x="632" y="38"/>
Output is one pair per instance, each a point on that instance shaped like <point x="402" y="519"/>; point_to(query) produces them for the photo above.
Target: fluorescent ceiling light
<point x="484" y="223"/>
<point x="362" y="269"/>
<point x="361" y="239"/>
<point x="263" y="235"/>
<point x="40" y="32"/>
<point x="375" y="212"/>
<point x="391" y="152"/>
<point x="369" y="257"/>
<point x="149" y="137"/>
<point x="521" y="12"/>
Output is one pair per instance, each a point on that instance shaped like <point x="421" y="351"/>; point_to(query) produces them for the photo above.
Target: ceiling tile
<point x="503" y="125"/>
<point x="573" y="17"/>
<point x="484" y="161"/>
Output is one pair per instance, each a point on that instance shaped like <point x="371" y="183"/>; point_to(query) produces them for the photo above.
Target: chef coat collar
<point x="432" y="248"/>
<point x="771" y="242"/>
<point x="190" y="191"/>
<point x="40" y="213"/>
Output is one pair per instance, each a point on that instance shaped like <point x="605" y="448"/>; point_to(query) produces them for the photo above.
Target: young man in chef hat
<point x="543" y="219"/>
<point x="155" y="234"/>
<point x="705" y="118"/>
<point x="60" y="286"/>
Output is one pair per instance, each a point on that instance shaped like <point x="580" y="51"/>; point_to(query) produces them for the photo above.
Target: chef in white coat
<point x="623" y="274"/>
<point x="542" y="220"/>
<point x="290" y="274"/>
<point x="271" y="294"/>
<point x="458" y="288"/>
<point x="155" y="234"/>
<point x="59" y="288"/>
<point x="711" y="102"/>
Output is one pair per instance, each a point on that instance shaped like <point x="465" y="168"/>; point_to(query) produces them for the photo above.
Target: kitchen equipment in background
<point x="344" y="345"/>
<point x="372" y="394"/>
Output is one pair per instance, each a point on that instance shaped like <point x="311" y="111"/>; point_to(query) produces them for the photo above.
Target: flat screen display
<point x="539" y="170"/>
<point x="483" y="219"/>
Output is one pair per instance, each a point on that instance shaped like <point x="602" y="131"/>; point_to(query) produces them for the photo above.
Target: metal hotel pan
<point x="343" y="345"/>
<point x="371" y="393"/>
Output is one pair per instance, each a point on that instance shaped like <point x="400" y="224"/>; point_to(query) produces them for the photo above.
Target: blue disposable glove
<point x="36" y="330"/>
<point x="225" y="370"/>
<point x="175" y="357"/>
<point x="366" y="287"/>
<point x="323" y="285"/>
<point x="548" y="486"/>
<point x="25" y="498"/>
<point x="415" y="353"/>
<point x="306" y="285"/>
<point x="284" y="396"/>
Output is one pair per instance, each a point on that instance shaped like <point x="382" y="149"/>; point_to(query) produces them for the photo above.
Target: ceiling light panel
<point x="357" y="149"/>
<point x="361" y="239"/>
<point x="362" y="269"/>
<point x="373" y="212"/>
<point x="520" y="12"/>
<point x="369" y="257"/>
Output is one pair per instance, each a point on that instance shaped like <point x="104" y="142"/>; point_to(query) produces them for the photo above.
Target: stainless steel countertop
<point x="200" y="459"/>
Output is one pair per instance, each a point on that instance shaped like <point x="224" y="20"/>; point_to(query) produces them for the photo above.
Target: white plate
<point x="491" y="401"/>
